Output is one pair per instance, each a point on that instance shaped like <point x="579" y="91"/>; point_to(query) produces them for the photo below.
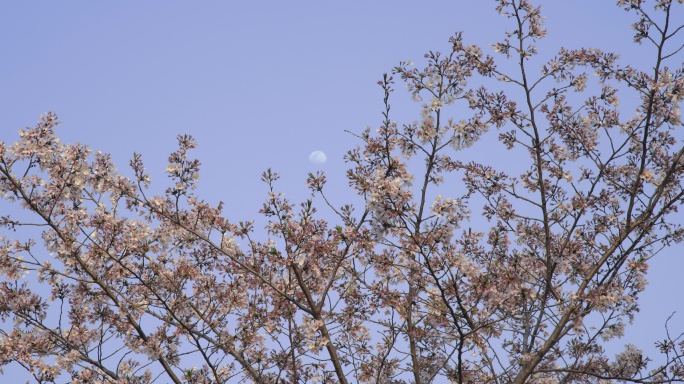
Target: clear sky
<point x="261" y="84"/>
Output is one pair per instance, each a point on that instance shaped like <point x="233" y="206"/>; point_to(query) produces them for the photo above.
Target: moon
<point x="318" y="157"/>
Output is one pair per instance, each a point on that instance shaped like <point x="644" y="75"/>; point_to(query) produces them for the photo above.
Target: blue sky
<point x="259" y="84"/>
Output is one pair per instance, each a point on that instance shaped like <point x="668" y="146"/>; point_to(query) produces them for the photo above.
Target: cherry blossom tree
<point x="125" y="286"/>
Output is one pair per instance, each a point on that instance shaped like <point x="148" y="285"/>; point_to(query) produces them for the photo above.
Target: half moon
<point x="318" y="157"/>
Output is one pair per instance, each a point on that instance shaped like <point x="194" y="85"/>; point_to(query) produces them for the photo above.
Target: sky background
<point x="262" y="84"/>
